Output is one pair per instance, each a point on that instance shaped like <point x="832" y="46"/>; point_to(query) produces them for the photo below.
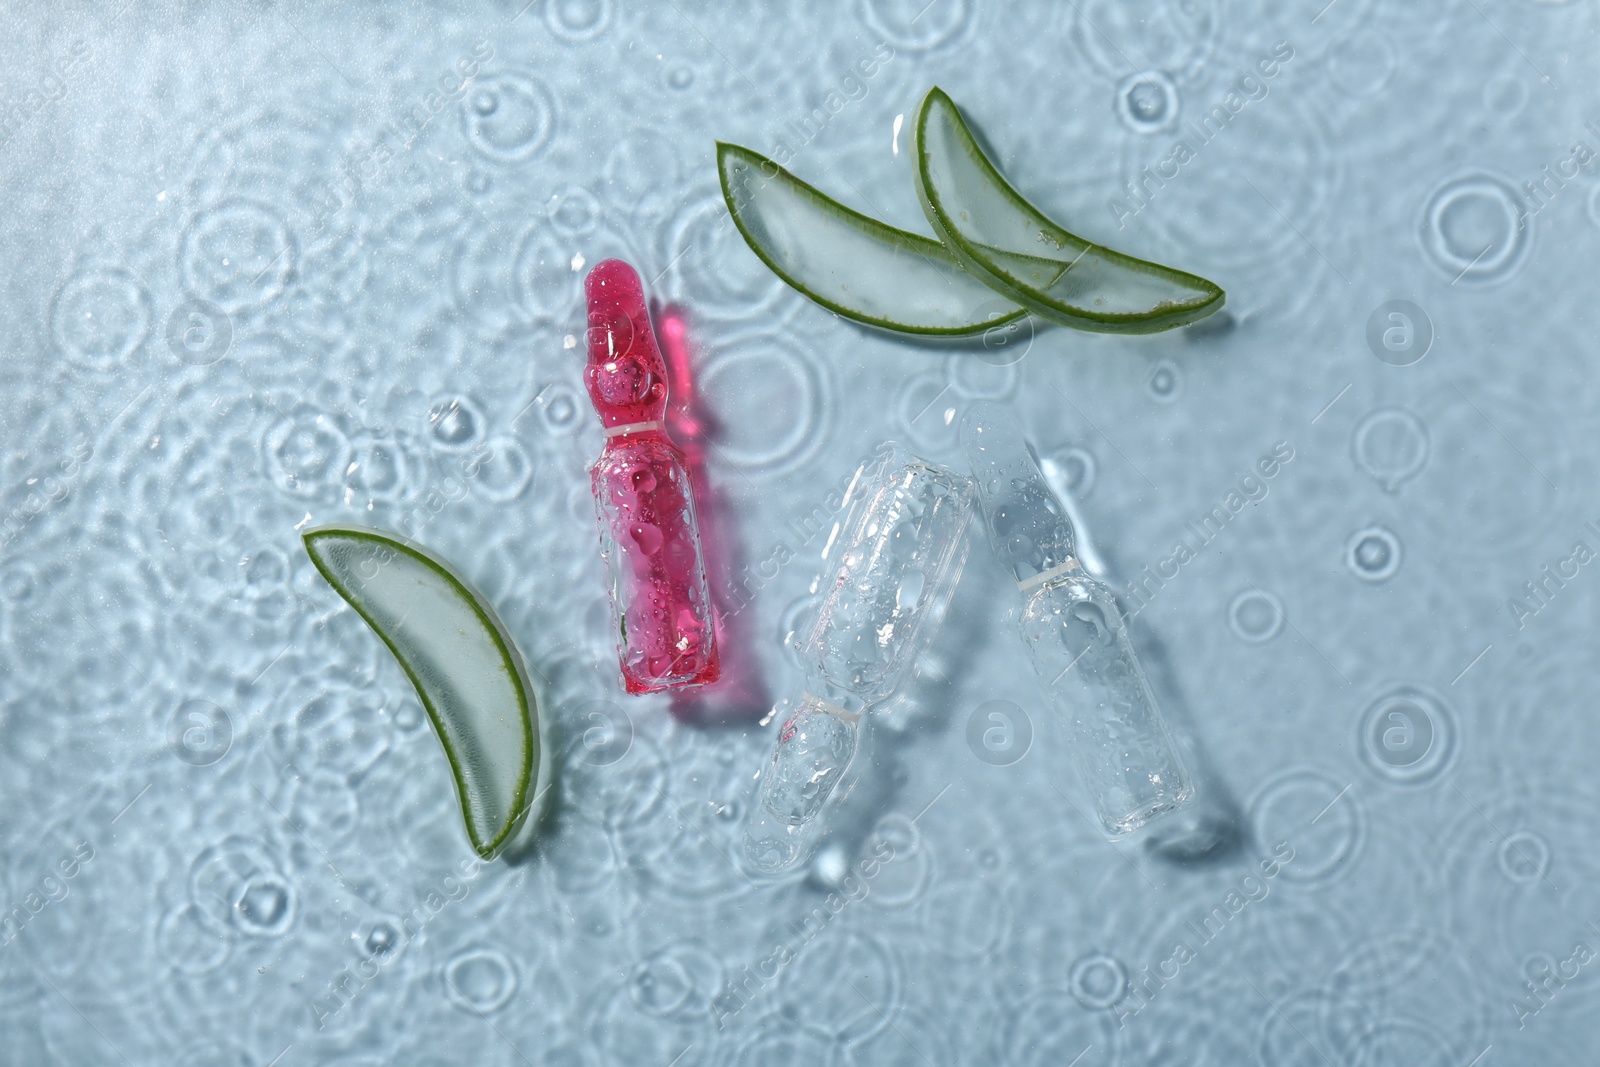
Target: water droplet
<point x="1373" y="554"/>
<point x="1164" y="382"/>
<point x="456" y="422"/>
<point x="1097" y="981"/>
<point x="1147" y="102"/>
<point x="1255" y="616"/>
<point x="647" y="536"/>
<point x="263" y="907"/>
<point x="1093" y="618"/>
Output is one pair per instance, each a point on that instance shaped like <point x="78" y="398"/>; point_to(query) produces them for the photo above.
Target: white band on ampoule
<point x="830" y="707"/>
<point x="632" y="427"/>
<point x="1044" y="576"/>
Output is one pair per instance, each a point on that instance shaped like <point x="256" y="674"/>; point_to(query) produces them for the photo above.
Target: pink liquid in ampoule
<point x="644" y="497"/>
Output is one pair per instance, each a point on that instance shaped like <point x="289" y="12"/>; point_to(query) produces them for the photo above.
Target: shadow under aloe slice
<point x="852" y="264"/>
<point x="1002" y="238"/>
<point x="465" y="668"/>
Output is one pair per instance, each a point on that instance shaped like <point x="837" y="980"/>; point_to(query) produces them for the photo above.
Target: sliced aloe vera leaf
<point x="1000" y="237"/>
<point x="852" y="264"/>
<point x="466" y="670"/>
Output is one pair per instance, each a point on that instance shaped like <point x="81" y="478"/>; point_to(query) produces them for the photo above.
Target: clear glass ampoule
<point x="889" y="564"/>
<point x="1075" y="634"/>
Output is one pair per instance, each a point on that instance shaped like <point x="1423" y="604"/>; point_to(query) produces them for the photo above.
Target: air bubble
<point x="1098" y="981"/>
<point x="1373" y="554"/>
<point x="1165" y="382"/>
<point x="1147" y="102"/>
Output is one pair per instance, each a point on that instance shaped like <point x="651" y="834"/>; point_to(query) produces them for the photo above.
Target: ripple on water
<point x="772" y="402"/>
<point x="1051" y="1028"/>
<point x="1402" y="972"/>
<point x="617" y="792"/>
<point x="1318" y="816"/>
<point x="1174" y="36"/>
<point x="1283" y="142"/>
<point x="239" y="255"/>
<point x="916" y="26"/>
<point x="916" y="1040"/>
<point x="1522" y="874"/>
<point x="642" y="173"/>
<point x="187" y="942"/>
<point x="622" y="1033"/>
<point x="322" y="720"/>
<point x="677" y="981"/>
<point x="578" y="21"/>
<point x="1289" y="1031"/>
<point x="780" y="1042"/>
<point x="480" y="980"/>
<point x="1362" y="63"/>
<point x="981" y="379"/>
<point x="1391" y="445"/>
<point x="902" y="879"/>
<point x="543" y="280"/>
<point x="827" y="1005"/>
<point x="307" y="453"/>
<point x="966" y="919"/>
<point x="712" y="268"/>
<point x="237" y="887"/>
<point x="100" y="317"/>
<point x="325" y="808"/>
<point x="696" y="858"/>
<point x="382" y="470"/>
<point x="504" y="471"/>
<point x="1255" y="616"/>
<point x="508" y="117"/>
<point x="573" y="211"/>
<point x="1471" y="229"/>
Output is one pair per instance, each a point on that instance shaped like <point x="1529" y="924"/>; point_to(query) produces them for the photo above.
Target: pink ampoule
<point x="644" y="497"/>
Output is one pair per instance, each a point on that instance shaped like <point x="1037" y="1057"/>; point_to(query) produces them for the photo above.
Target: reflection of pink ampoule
<point x="644" y="497"/>
<point x="740" y="694"/>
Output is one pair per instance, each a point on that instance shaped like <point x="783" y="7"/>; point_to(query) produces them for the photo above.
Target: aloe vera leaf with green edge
<point x="850" y="263"/>
<point x="987" y="224"/>
<point x="466" y="670"/>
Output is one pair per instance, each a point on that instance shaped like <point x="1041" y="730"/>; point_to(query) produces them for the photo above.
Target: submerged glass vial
<point x="660" y="599"/>
<point x="1075" y="634"/>
<point x="890" y="562"/>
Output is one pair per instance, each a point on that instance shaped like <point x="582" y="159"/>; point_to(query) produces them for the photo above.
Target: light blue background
<point x="264" y="814"/>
